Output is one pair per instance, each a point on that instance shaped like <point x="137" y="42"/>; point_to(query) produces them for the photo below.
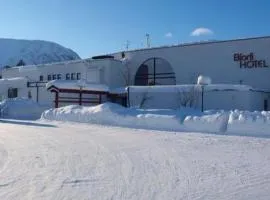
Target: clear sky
<point x="92" y="27"/>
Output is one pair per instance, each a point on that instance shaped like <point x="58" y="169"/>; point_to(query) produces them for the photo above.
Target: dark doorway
<point x="265" y="105"/>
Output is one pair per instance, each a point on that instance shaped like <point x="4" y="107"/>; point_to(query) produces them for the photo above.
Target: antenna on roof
<point x="147" y="40"/>
<point x="127" y="44"/>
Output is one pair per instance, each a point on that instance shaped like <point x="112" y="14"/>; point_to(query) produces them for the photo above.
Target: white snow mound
<point x="20" y="108"/>
<point x="113" y="114"/>
<point x="233" y="122"/>
<point x="246" y="122"/>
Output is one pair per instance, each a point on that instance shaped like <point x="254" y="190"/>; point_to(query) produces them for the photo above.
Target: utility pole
<point x="148" y="40"/>
<point x="127" y="45"/>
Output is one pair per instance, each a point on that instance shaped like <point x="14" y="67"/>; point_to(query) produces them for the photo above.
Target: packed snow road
<point x="39" y="160"/>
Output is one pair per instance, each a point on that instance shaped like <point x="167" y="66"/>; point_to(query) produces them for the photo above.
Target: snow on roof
<point x="77" y="85"/>
<point x="121" y="90"/>
<point x="17" y="82"/>
<point x="186" y="44"/>
<point x="34" y="67"/>
<point x="183" y="88"/>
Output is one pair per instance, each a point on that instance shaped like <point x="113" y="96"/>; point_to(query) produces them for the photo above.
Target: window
<point x="12" y="92"/>
<point x="58" y="76"/>
<point x="54" y="77"/>
<point x="73" y="76"/>
<point x="49" y="77"/>
<point x="78" y="76"/>
<point x="40" y="78"/>
<point x="29" y="95"/>
<point x="155" y="71"/>
<point x="68" y="76"/>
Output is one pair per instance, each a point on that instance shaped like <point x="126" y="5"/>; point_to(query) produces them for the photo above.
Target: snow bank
<point x="248" y="123"/>
<point x="113" y="114"/>
<point x="234" y="122"/>
<point x="20" y="108"/>
<point x="213" y="123"/>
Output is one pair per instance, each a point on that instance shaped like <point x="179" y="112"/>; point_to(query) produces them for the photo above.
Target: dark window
<point x="123" y="55"/>
<point x="78" y="76"/>
<point x="265" y="105"/>
<point x="29" y="95"/>
<point x="68" y="76"/>
<point x="49" y="77"/>
<point x="155" y="71"/>
<point x="54" y="77"/>
<point x="58" y="76"/>
<point x="12" y="92"/>
<point x="73" y="76"/>
<point x="41" y="78"/>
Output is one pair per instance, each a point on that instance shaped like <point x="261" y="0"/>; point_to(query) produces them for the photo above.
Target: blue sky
<point x="92" y="27"/>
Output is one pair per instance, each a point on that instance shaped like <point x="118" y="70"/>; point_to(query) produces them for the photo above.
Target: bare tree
<point x="144" y="99"/>
<point x="125" y="72"/>
<point x="188" y="97"/>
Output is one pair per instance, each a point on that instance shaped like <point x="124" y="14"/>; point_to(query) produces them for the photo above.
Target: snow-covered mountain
<point x="33" y="52"/>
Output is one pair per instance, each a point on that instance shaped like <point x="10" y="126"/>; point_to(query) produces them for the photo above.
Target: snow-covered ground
<point x="60" y="160"/>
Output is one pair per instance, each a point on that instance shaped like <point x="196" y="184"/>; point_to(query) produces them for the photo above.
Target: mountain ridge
<point x="33" y="52"/>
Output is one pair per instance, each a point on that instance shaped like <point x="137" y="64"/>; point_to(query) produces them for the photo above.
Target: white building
<point x="234" y="62"/>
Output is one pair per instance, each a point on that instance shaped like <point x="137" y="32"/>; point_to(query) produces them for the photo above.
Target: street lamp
<point x="203" y="81"/>
<point x="81" y="84"/>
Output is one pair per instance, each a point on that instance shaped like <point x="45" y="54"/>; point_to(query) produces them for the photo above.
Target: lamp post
<point x="202" y="109"/>
<point x="81" y="84"/>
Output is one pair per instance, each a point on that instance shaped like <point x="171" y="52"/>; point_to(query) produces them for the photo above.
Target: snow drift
<point x="113" y="114"/>
<point x="20" y="108"/>
<point x="247" y="123"/>
<point x="33" y="52"/>
<point x="233" y="122"/>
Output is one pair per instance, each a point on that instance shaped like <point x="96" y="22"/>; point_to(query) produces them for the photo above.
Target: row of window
<point x="69" y="76"/>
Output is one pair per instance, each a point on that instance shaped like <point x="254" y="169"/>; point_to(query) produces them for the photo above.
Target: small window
<point x="29" y="95"/>
<point x="40" y="78"/>
<point x="58" y="76"/>
<point x="73" y="76"/>
<point x="49" y="77"/>
<point x="68" y="76"/>
<point x="12" y="92"/>
<point x="54" y="77"/>
<point x="78" y="76"/>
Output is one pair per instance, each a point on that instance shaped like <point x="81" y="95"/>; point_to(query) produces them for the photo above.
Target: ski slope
<point x="45" y="160"/>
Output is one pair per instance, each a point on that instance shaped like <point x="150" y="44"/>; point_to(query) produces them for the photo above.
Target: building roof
<point x="207" y="42"/>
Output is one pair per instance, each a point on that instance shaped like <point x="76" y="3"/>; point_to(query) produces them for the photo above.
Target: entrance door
<point x="265" y="105"/>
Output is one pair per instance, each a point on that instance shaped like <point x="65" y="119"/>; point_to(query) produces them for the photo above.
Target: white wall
<point x="225" y="100"/>
<point x="101" y="71"/>
<point x="212" y="59"/>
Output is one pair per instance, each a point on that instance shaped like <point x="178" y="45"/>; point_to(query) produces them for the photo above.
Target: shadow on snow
<point x="26" y="123"/>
